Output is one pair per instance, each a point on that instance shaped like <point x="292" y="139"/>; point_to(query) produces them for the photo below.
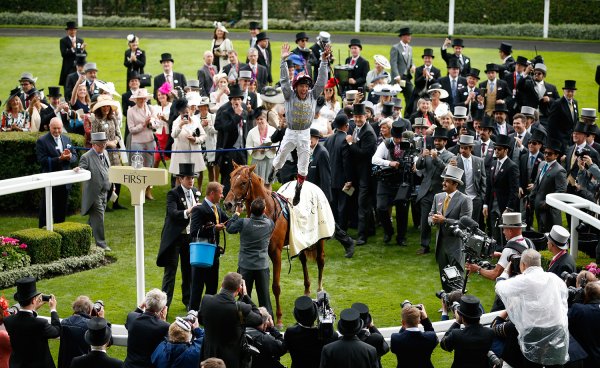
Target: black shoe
<point x="350" y="250"/>
<point x="387" y="238"/>
<point x="423" y="251"/>
<point x="297" y="195"/>
<point x="108" y="209"/>
<point x="271" y="176"/>
<point x="361" y="241"/>
<point x="117" y="206"/>
<point x="401" y="242"/>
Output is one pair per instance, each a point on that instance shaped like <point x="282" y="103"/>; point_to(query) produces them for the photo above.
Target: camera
<point x="477" y="244"/>
<point x="576" y="294"/>
<point x="515" y="264"/>
<point x="98" y="305"/>
<point x="46" y="298"/>
<point x="449" y="298"/>
<point x="451" y="279"/>
<point x="196" y="133"/>
<point x="585" y="151"/>
<point x="326" y="315"/>
<point x="407" y="303"/>
<point x="186" y="117"/>
<point x="191" y="317"/>
<point x="493" y="360"/>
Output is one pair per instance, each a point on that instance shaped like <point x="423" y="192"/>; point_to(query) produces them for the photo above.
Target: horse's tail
<point x="311" y="252"/>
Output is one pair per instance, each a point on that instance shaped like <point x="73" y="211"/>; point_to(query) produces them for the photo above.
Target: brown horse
<point x="247" y="186"/>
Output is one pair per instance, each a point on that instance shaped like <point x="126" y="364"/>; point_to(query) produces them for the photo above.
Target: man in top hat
<point x="359" y="67"/>
<point x="452" y="83"/>
<point x="508" y="62"/>
<point x="564" y="114"/>
<point x="534" y="91"/>
<point x="71" y="47"/>
<point x="425" y="76"/>
<point x="493" y="90"/>
<point x="323" y="40"/>
<point x="471" y="344"/>
<point x="401" y="60"/>
<point x="98" y="336"/>
<point x="467" y="96"/>
<point x="369" y="333"/>
<point x="72" y="78"/>
<point x="514" y="100"/>
<point x="27" y="83"/>
<point x="458" y="45"/>
<point x="551" y="178"/>
<point x="579" y="147"/>
<point x="206" y="74"/>
<point x="168" y="75"/>
<point x="502" y="192"/>
<point x="300" y="103"/>
<point x="447" y="208"/>
<point x="349" y="350"/>
<point x="558" y="245"/>
<point x="303" y="51"/>
<point x="486" y="131"/>
<point x="175" y="236"/>
<point x="529" y="164"/>
<point x="250" y="99"/>
<point x="29" y="334"/>
<point x="264" y="54"/>
<point x="431" y="163"/>
<point x="56" y="109"/>
<point x="90" y="78"/>
<point x="474" y="177"/>
<point x="253" y="29"/>
<point x="302" y="339"/>
<point x="93" y="200"/>
<point x="520" y="136"/>
<point x="54" y="153"/>
<point x="501" y="125"/>
<point x="258" y="72"/>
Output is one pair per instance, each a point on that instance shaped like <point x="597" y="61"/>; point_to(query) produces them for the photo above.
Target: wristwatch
<point x="479" y="271"/>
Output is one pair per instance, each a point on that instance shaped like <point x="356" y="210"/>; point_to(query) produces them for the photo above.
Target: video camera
<point x="412" y="143"/>
<point x="326" y="315"/>
<point x="477" y="245"/>
<point x="98" y="305"/>
<point x="576" y="294"/>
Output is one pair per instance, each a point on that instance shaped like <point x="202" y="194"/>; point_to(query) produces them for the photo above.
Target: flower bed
<point x="13" y="254"/>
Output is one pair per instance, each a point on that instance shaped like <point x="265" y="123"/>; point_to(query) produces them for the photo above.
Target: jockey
<point x="300" y="103"/>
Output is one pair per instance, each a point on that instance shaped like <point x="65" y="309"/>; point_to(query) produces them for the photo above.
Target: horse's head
<point x="241" y="186"/>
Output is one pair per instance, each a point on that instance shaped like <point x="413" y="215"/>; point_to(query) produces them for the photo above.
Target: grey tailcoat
<point x="99" y="182"/>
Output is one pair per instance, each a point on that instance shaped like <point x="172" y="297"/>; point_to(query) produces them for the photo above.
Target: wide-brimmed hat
<point x="580" y="128"/>
<point x="324" y="37"/>
<point x="537" y="135"/>
<point x="398" y="128"/>
<point x="559" y="236"/>
<point x="458" y="42"/>
<point x="302" y="78"/>
<point x="193" y="98"/>
<point x="438" y="87"/>
<point x="491" y="67"/>
<point x="54" y="92"/>
<point x="470" y="307"/>
<point x="501" y="107"/>
<point x="340" y="120"/>
<point x="440" y="133"/>
<point x="512" y="219"/>
<point x="105" y="100"/>
<point x="235" y="92"/>
<point x="428" y="52"/>
<point x="253" y="25"/>
<point x="387" y="110"/>
<point x="355" y="42"/>
<point x="466" y="140"/>
<point x="98" y="137"/>
<point x="98" y="332"/>
<point x="261" y="36"/>
<point x="453" y="173"/>
<point x="386" y="89"/>
<point x="570" y="84"/>
<point x="474" y="72"/>
<point x="301" y="36"/>
<point x="588" y="113"/>
<point x="503" y="140"/>
<point x="107" y="87"/>
<point x="272" y="95"/>
<point x="90" y="67"/>
<point x="140" y="93"/>
<point x="382" y="60"/>
<point x="555" y="145"/>
<point x="460" y="112"/>
<point x="404" y="31"/>
<point x="27" y="77"/>
<point x="363" y="310"/>
<point x="217" y="77"/>
<point x="71" y="25"/>
<point x="528" y="111"/>
<point x="166" y="57"/>
<point x="350" y="322"/>
<point x="305" y="311"/>
<point x="187" y="169"/>
<point x="26" y="289"/>
<point x="506" y="48"/>
<point x="358" y="109"/>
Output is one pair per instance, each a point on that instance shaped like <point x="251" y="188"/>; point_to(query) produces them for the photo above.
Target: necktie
<point x="544" y="169"/>
<point x="355" y="135"/>
<point x="483" y="151"/>
<point x="59" y="144"/>
<point x="214" y="207"/>
<point x="103" y="160"/>
<point x="453" y="89"/>
<point x="170" y="79"/>
<point x="498" y="164"/>
<point x="188" y="197"/>
<point x="397" y="151"/>
<point x="352" y="62"/>
<point x="571" y="179"/>
<point x="531" y="160"/>
<point x="491" y="86"/>
<point x="572" y="109"/>
<point x="461" y="62"/>
<point x="446" y="203"/>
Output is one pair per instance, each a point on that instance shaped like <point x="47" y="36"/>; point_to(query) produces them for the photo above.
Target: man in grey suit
<point x="551" y="178"/>
<point x="93" y="201"/>
<point x="431" y="163"/>
<point x="206" y="74"/>
<point x="401" y="60"/>
<point x="474" y="176"/>
<point x="447" y="208"/>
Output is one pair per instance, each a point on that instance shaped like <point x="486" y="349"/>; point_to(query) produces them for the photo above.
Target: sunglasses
<point x="549" y="153"/>
<point x="538" y="73"/>
<point x="533" y="142"/>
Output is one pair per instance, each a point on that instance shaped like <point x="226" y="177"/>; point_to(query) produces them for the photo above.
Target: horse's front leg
<point x="320" y="261"/>
<point x="302" y="257"/>
<point x="275" y="255"/>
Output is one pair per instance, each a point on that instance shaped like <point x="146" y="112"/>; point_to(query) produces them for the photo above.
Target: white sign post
<point x="137" y="180"/>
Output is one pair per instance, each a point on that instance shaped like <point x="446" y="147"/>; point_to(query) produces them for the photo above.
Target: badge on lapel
<point x="499" y="88"/>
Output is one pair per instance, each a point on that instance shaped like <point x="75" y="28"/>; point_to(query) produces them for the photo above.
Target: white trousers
<point x="300" y="140"/>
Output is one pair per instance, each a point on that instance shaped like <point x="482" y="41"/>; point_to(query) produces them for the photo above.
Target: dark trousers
<point x="226" y="167"/>
<point x="528" y="364"/>
<point x="204" y="277"/>
<point x="407" y="91"/>
<point x="426" y="203"/>
<point x="338" y="206"/>
<point x="386" y="193"/>
<point x="180" y="249"/>
<point x="477" y="209"/>
<point x="262" y="280"/>
<point x="494" y="219"/>
<point x="60" y="199"/>
<point x="364" y="206"/>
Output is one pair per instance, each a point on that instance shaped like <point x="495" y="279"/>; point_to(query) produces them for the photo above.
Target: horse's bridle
<point x="243" y="198"/>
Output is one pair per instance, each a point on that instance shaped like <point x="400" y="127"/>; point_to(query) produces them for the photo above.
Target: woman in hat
<point x="385" y="130"/>
<point x="207" y="120"/>
<point x="189" y="135"/>
<point x="35" y="108"/>
<point x="160" y="119"/>
<point x="5" y="348"/>
<point x="135" y="58"/>
<point x="220" y="95"/>
<point x="220" y="46"/>
<point x="437" y="93"/>
<point x="259" y="136"/>
<point x="385" y="93"/>
<point x="379" y="73"/>
<point x="270" y="98"/>
<point x="332" y="105"/>
<point x="14" y="116"/>
<point x="139" y="121"/>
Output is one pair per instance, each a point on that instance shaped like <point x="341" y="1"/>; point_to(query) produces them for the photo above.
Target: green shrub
<point x="582" y="260"/>
<point x="76" y="238"/>
<point x="42" y="246"/>
<point x="17" y="150"/>
<point x="13" y="254"/>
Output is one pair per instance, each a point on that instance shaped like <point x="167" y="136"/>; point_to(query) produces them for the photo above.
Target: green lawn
<point x="381" y="276"/>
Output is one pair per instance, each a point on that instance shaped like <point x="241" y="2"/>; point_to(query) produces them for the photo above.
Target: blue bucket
<point x="202" y="254"/>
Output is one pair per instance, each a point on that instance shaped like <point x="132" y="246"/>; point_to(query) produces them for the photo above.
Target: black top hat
<point x="555" y="145"/>
<point x="470" y="307"/>
<point x="428" y="52"/>
<point x="491" y="67"/>
<point x="98" y="332"/>
<point x="315" y="133"/>
<point x="397" y="129"/>
<point x="26" y="290"/>
<point x="522" y="60"/>
<point x="388" y="109"/>
<point x="487" y="122"/>
<point x="166" y="57"/>
<point x="505" y="48"/>
<point x="580" y="128"/>
<point x="340" y="120"/>
<point x="134" y="75"/>
<point x="14" y="92"/>
<point x="305" y="311"/>
<point x="54" y="92"/>
<point x="301" y="36"/>
<point x="440" y="133"/>
<point x="71" y="25"/>
<point x="355" y="42"/>
<point x="187" y="169"/>
<point x="500" y="107"/>
<point x="458" y="42"/>
<point x="404" y="31"/>
<point x="253" y="25"/>
<point x="350" y="322"/>
<point x="359" y="109"/>
<point x="453" y="63"/>
<point x="180" y="105"/>
<point x="592" y="129"/>
<point x="502" y="140"/>
<point x="570" y="84"/>
<point x="474" y="72"/>
<point x="537" y="135"/>
<point x="235" y="91"/>
<point x="363" y="310"/>
<point x="80" y="60"/>
<point x="262" y="36"/>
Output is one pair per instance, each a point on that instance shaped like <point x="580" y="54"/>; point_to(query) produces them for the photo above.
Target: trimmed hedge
<point x="582" y="260"/>
<point x="17" y="150"/>
<point x="76" y="238"/>
<point x="61" y="267"/>
<point x="42" y="246"/>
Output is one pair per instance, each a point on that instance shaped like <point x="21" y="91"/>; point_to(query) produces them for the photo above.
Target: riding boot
<point x="149" y="194"/>
<point x="299" y="182"/>
<point x="271" y="175"/>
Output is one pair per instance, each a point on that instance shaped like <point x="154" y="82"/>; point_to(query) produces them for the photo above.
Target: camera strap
<point x="518" y="247"/>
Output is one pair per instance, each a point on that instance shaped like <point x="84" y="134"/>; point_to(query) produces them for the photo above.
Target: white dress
<point x="180" y="134"/>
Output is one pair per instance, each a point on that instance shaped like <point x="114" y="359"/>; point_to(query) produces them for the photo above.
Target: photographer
<point x="448" y="300"/>
<point x="584" y="322"/>
<point x="304" y="340"/>
<point x="268" y="340"/>
<point x="413" y="347"/>
<point x="182" y="348"/>
<point x="394" y="172"/>
<point x="588" y="178"/>
<point x="369" y="333"/>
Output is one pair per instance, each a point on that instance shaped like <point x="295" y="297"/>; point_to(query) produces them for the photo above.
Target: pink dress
<point x="5" y="348"/>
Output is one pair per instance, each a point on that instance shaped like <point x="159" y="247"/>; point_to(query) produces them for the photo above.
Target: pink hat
<point x="166" y="88"/>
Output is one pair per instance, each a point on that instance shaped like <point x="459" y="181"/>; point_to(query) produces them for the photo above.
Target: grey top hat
<point x="528" y="111"/>
<point x="466" y="140"/>
<point x="559" y="236"/>
<point x="90" y="66"/>
<point x="98" y="137"/>
<point x="512" y="219"/>
<point x="460" y="112"/>
<point x="245" y="74"/>
<point x="28" y="77"/>
<point x="194" y="83"/>
<point x="453" y="173"/>
<point x="542" y="67"/>
<point x="588" y="113"/>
